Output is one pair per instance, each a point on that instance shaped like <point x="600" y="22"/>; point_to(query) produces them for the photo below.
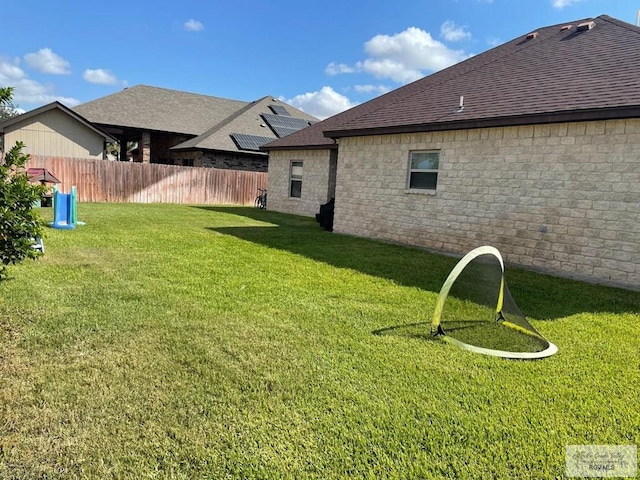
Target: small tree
<point x="114" y="149"/>
<point x="8" y="110"/>
<point x="20" y="224"/>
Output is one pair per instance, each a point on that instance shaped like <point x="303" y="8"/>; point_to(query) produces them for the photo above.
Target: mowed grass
<point x="165" y="341"/>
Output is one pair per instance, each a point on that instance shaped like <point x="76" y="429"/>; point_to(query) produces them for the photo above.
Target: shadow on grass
<point x="490" y="335"/>
<point x="303" y="236"/>
<point x="538" y="296"/>
<point x="421" y="331"/>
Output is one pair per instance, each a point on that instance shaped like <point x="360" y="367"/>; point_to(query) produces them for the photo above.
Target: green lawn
<point x="164" y="341"/>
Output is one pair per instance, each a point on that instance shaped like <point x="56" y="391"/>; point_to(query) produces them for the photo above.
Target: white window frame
<point x="422" y="170"/>
<point x="295" y="178"/>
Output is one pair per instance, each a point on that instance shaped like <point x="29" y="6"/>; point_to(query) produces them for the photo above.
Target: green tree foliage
<point x="7" y="108"/>
<point x="5" y="95"/>
<point x="19" y="222"/>
<point x="114" y="149"/>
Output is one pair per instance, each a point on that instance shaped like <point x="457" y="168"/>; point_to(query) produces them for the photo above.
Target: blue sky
<point x="321" y="56"/>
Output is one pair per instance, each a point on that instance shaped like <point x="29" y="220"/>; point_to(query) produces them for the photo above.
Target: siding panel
<point x="55" y="133"/>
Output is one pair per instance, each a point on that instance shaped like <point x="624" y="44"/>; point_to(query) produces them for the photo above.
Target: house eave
<point x="215" y="150"/>
<point x="50" y="106"/>
<point x="120" y="129"/>
<point x="325" y="146"/>
<point x="534" y="119"/>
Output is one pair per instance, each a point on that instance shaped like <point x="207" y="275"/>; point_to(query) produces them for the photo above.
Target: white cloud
<point x="564" y="3"/>
<point x="338" y="68"/>
<point x="100" y="76"/>
<point x="388" y="68"/>
<point x="403" y="57"/>
<point x="321" y="104"/>
<point x="28" y="91"/>
<point x="193" y="25"/>
<point x="10" y="72"/>
<point x="453" y="33"/>
<point x="376" y="89"/>
<point x="46" y="61"/>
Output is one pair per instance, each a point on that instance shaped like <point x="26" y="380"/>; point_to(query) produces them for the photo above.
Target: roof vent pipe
<point x="532" y="35"/>
<point x="586" y="26"/>
<point x="460" y="105"/>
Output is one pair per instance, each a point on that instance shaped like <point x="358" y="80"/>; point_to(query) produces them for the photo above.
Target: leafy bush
<point x="20" y="224"/>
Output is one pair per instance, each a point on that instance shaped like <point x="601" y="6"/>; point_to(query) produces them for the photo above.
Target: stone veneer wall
<point x="235" y="162"/>
<point x="563" y="198"/>
<point x="221" y="160"/>
<point x="315" y="181"/>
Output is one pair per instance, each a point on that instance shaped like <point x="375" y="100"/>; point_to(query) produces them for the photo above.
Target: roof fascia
<point x="140" y="130"/>
<point x="233" y="152"/>
<point x="214" y="150"/>
<point x="65" y="109"/>
<point x="326" y="146"/>
<point x="537" y="119"/>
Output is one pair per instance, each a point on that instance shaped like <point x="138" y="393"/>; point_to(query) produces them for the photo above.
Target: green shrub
<point x="20" y="224"/>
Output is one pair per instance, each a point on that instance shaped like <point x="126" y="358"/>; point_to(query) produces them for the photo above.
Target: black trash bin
<point x="325" y="217"/>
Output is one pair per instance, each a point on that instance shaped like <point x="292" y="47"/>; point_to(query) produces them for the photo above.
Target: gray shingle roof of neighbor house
<point x="312" y="137"/>
<point x="210" y="120"/>
<point x="580" y="70"/>
<point x="55" y="105"/>
<point x="247" y="121"/>
<point x="160" y="109"/>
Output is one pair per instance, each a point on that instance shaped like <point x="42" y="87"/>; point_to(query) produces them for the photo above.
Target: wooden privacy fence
<point x="109" y="181"/>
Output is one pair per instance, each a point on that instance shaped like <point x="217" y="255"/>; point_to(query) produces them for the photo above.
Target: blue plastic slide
<point x="64" y="206"/>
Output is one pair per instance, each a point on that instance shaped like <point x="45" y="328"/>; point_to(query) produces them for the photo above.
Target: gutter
<point x="534" y="119"/>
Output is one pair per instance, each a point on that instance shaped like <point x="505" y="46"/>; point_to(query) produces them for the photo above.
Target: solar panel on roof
<point x="279" y="110"/>
<point x="283" y="132"/>
<point x="250" y="142"/>
<point x="282" y="125"/>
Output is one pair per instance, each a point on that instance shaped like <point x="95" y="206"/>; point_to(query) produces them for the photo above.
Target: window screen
<point x="295" y="189"/>
<point x="423" y="170"/>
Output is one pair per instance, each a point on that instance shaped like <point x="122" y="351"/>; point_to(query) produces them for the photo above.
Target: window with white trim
<point x="295" y="180"/>
<point x="423" y="170"/>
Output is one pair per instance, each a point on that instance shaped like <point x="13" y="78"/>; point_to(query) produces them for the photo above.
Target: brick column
<point x="144" y="147"/>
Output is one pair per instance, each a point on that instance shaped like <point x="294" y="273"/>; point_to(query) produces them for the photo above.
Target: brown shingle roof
<point x="559" y="75"/>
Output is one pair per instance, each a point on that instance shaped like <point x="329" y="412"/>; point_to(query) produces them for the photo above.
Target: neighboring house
<point x="55" y="130"/>
<point x="183" y="128"/>
<point x="533" y="147"/>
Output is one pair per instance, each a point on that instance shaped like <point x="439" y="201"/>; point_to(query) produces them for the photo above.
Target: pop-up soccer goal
<point x="475" y="311"/>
